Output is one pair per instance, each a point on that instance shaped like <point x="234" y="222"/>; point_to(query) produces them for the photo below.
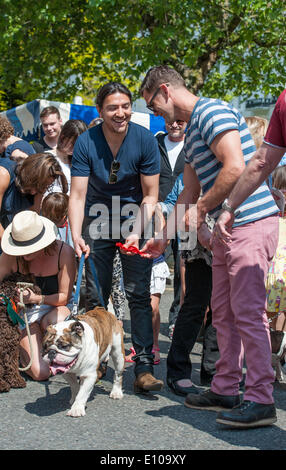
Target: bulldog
<point x="77" y="347"/>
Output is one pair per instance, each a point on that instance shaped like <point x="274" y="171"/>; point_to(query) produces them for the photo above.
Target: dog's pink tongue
<point x="57" y="368"/>
<point x="61" y="368"/>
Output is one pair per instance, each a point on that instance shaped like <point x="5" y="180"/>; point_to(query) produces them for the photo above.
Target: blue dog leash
<point x="74" y="311"/>
<point x="77" y="291"/>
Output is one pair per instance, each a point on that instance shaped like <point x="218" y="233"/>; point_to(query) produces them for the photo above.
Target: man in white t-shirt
<point x="172" y="165"/>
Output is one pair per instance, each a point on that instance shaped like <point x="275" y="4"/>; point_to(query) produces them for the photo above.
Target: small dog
<point x="10" y="334"/>
<point x="278" y="345"/>
<point x="77" y="347"/>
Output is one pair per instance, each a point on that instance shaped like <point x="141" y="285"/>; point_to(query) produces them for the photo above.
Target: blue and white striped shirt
<point x="209" y="118"/>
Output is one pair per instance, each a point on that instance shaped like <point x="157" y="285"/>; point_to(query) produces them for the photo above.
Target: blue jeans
<point x="136" y="277"/>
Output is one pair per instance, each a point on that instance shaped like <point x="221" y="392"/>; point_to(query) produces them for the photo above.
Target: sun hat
<point x="28" y="233"/>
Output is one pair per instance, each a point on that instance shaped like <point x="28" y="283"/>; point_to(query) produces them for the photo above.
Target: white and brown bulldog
<point x="77" y="347"/>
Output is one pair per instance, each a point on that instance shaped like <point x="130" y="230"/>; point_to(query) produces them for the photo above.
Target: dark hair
<point x="279" y="177"/>
<point x="50" y="110"/>
<point x="109" y="89"/>
<point x="161" y="74"/>
<point x="36" y="171"/>
<point x="70" y="131"/>
<point x="55" y="207"/>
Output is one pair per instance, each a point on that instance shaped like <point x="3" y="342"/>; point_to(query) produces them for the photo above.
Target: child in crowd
<point x="276" y="278"/>
<point x="55" y="208"/>
<point x="63" y="153"/>
<point x="160" y="272"/>
<point x="257" y="127"/>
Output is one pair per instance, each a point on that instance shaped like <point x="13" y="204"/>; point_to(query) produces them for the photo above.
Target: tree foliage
<point x="60" y="48"/>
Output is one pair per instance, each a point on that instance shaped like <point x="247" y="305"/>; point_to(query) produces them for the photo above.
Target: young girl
<point x="55" y="208"/>
<point x="68" y="135"/>
<point x="276" y="278"/>
<point x="160" y="272"/>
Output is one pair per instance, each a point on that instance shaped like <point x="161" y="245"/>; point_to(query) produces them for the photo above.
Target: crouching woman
<point x="30" y="247"/>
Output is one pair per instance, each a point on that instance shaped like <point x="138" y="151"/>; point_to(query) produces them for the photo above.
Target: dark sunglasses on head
<point x="115" y="165"/>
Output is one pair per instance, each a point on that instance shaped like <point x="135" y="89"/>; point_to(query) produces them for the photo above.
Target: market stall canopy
<point x="26" y="117"/>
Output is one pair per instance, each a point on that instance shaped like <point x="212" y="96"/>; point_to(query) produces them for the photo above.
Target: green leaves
<point x="222" y="47"/>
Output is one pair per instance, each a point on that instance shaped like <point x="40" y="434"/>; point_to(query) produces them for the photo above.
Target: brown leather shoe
<point x="146" y="382"/>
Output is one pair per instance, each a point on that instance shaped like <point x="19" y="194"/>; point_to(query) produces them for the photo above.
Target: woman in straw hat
<point x="29" y="246"/>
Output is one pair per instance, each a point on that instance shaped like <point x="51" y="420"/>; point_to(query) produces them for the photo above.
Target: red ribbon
<point x="66" y="226"/>
<point x="130" y="249"/>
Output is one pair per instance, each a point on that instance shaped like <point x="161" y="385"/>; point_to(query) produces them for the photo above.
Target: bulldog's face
<point x="62" y="344"/>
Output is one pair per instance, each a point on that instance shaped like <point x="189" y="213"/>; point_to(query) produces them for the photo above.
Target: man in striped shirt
<point x="218" y="146"/>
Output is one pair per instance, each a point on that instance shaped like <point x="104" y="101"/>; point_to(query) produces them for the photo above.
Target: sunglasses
<point x="150" y="105"/>
<point x="115" y="165"/>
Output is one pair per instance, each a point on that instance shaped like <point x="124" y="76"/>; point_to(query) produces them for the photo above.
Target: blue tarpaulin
<point x="26" y="117"/>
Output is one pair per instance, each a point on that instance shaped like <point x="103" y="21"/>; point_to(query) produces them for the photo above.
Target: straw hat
<point x="28" y="232"/>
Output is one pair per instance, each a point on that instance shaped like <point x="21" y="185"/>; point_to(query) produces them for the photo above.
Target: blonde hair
<point x="279" y="177"/>
<point x="257" y="127"/>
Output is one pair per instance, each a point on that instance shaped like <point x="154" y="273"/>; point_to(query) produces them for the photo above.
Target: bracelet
<point x="42" y="300"/>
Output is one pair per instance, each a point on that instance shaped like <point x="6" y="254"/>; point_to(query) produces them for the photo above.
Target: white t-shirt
<point x="173" y="149"/>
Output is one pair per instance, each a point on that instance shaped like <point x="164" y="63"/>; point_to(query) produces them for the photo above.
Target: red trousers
<point x="238" y="306"/>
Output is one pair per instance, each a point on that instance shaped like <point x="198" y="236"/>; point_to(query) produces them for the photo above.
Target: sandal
<point x="157" y="360"/>
<point x="132" y="354"/>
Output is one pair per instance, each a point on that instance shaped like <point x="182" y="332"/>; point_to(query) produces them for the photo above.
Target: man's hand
<point x="80" y="247"/>
<point x="205" y="236"/>
<point x="222" y="229"/>
<point x="154" y="248"/>
<point x="131" y="240"/>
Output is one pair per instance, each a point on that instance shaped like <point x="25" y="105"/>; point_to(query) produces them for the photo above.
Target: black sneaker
<point x="211" y="401"/>
<point x="248" y="414"/>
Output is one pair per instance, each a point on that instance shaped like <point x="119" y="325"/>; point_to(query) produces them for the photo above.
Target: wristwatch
<point x="226" y="207"/>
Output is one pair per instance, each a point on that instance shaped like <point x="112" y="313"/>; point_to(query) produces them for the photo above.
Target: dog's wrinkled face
<point x="62" y="344"/>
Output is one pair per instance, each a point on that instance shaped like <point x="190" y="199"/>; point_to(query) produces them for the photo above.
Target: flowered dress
<point x="276" y="277"/>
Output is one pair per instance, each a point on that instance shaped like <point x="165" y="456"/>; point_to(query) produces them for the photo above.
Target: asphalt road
<point x="34" y="418"/>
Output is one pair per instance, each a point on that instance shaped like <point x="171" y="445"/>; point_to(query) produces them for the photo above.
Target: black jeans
<point x="188" y="324"/>
<point x="136" y="277"/>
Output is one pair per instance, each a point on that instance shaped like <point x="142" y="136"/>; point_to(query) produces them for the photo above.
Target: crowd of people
<point x="84" y="188"/>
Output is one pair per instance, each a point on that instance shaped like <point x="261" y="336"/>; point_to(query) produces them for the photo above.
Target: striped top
<point x="209" y="118"/>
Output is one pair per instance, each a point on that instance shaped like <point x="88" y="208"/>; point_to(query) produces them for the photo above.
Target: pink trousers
<point x="238" y="309"/>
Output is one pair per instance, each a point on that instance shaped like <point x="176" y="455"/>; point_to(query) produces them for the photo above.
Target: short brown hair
<point x="36" y="171"/>
<point x="55" y="207"/>
<point x="161" y="74"/>
<point x="6" y="129"/>
<point x="257" y="127"/>
<point x="50" y="110"/>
